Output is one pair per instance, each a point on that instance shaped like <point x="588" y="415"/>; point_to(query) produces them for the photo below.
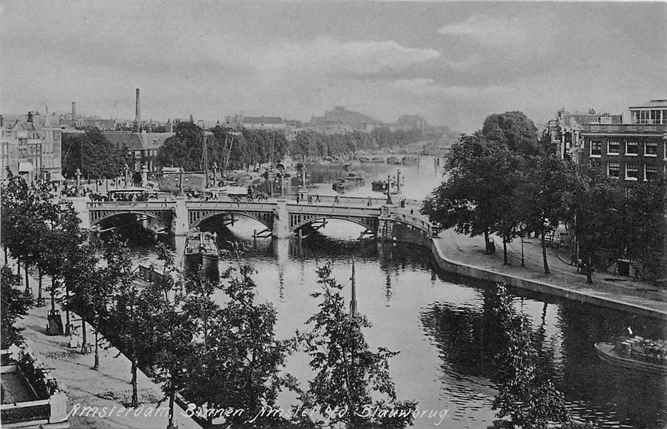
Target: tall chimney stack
<point x="137" y="114"/>
<point x="73" y="110"/>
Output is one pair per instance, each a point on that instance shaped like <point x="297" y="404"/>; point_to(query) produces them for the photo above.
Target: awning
<point x="25" y="167"/>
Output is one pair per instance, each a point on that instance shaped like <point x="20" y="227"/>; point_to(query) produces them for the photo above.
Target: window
<point x="596" y="149"/>
<point x="651" y="149"/>
<point x="631" y="172"/>
<point x="650" y="172"/>
<point x="614" y="148"/>
<point x="632" y="148"/>
<point x="655" y="116"/>
<point x="614" y="170"/>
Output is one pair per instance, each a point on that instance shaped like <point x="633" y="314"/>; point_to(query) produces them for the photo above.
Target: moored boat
<point x="635" y="353"/>
<point x="201" y="253"/>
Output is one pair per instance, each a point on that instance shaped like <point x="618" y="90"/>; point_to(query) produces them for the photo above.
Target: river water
<point x="438" y="323"/>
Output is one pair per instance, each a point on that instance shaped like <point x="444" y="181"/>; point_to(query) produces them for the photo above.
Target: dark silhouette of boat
<point x="635" y="353"/>
<point x="202" y="255"/>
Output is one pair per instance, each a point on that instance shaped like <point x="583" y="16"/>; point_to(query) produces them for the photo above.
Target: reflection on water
<point x="446" y="335"/>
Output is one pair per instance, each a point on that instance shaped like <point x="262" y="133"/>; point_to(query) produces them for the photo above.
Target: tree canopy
<point x="93" y="154"/>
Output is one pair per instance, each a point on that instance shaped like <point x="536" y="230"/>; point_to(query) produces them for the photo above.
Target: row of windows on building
<point x="633" y="171"/>
<point x="653" y="116"/>
<point x="632" y="148"/>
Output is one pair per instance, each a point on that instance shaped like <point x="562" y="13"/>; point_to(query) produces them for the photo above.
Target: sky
<point x="453" y="63"/>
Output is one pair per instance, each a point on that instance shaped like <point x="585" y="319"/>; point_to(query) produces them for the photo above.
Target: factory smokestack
<point x="73" y="110"/>
<point x="137" y="113"/>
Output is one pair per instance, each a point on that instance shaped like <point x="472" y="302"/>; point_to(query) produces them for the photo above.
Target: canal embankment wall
<point x="609" y="298"/>
<point x="467" y="270"/>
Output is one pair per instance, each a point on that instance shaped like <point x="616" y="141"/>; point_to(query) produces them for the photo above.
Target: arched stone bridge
<point x="282" y="218"/>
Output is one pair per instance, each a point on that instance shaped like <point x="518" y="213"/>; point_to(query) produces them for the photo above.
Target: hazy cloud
<point x="454" y="63"/>
<point x="489" y="30"/>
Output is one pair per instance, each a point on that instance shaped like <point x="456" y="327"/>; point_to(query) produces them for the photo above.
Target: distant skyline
<point x="452" y="63"/>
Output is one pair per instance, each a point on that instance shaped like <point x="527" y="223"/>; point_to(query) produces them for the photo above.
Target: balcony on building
<point x="653" y="112"/>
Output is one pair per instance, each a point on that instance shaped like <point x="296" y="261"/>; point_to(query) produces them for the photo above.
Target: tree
<point x="547" y="198"/>
<point x="14" y="306"/>
<point x="237" y="359"/>
<point x="509" y="179"/>
<point x="467" y="200"/>
<point x="173" y="331"/>
<point x="62" y="233"/>
<point x="115" y="274"/>
<point x="347" y="373"/>
<point x="79" y="273"/>
<point x="93" y="155"/>
<point x="123" y="327"/>
<point x="645" y="227"/>
<point x="598" y="217"/>
<point x="184" y="148"/>
<point x="525" y="393"/>
<point x="23" y="207"/>
<point x="513" y="130"/>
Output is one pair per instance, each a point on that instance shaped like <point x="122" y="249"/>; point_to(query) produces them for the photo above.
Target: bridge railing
<point x="231" y="205"/>
<point x="362" y="201"/>
<point x="412" y="220"/>
<point x="119" y="205"/>
<point x="333" y="210"/>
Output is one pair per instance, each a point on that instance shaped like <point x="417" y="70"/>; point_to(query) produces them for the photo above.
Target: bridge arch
<point x="102" y="217"/>
<point x="299" y="221"/>
<point x="265" y="219"/>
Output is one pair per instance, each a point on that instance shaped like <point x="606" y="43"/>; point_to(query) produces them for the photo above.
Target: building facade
<point x="142" y="147"/>
<point x="565" y="130"/>
<point x="630" y="152"/>
<point x="31" y="150"/>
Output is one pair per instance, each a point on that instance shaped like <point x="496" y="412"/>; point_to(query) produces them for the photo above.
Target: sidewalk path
<point x="616" y="291"/>
<point x="109" y="386"/>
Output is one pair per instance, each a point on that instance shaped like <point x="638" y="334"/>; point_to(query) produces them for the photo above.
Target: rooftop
<point x="262" y="120"/>
<point x="652" y="104"/>
<point x="136" y="141"/>
<point x="625" y="128"/>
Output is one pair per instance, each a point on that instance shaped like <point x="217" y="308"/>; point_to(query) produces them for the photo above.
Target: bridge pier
<point x="281" y="227"/>
<point x="180" y="228"/>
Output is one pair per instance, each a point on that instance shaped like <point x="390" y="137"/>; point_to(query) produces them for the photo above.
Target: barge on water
<point x="635" y="353"/>
<point x="202" y="254"/>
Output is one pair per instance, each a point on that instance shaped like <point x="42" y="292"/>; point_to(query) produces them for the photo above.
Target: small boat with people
<point x="635" y="353"/>
<point x="202" y="254"/>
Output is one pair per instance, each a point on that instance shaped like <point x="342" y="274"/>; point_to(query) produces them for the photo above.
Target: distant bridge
<point x="281" y="218"/>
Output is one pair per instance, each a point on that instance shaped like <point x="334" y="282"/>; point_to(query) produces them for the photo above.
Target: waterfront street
<point x="107" y="390"/>
<point x="628" y="293"/>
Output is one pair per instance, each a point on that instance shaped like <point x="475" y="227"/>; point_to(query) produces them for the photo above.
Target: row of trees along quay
<point x="96" y="158"/>
<point x="223" y="356"/>
<point x="227" y="148"/>
<point x="505" y="180"/>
